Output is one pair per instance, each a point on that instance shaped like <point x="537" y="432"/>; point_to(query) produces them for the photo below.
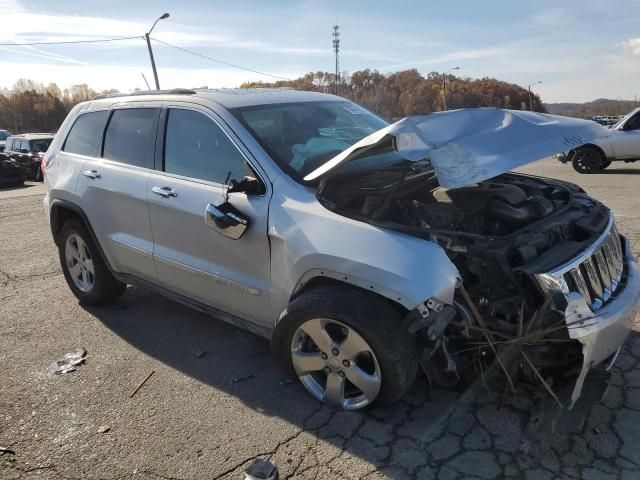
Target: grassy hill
<point x="601" y="106"/>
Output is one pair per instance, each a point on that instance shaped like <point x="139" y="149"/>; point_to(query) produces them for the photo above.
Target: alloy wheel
<point x="79" y="263"/>
<point x="335" y="363"/>
<point x="587" y="161"/>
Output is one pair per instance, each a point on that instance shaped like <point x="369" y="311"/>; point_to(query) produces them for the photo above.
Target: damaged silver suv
<point x="360" y="249"/>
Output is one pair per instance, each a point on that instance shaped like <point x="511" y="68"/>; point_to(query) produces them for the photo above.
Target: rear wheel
<point x="347" y="347"/>
<point x="84" y="269"/>
<point x="588" y="160"/>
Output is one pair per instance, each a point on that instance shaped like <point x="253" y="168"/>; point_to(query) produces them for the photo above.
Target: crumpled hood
<point x="474" y="144"/>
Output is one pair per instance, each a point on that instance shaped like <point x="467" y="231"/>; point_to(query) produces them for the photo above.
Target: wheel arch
<point x="589" y="145"/>
<point x="61" y="211"/>
<point x="324" y="278"/>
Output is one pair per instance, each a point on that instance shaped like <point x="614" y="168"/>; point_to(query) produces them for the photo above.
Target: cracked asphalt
<point x="216" y="400"/>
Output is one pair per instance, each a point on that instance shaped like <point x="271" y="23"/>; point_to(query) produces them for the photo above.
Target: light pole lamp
<point x="444" y="86"/>
<point x="530" y="97"/>
<point x="153" y="62"/>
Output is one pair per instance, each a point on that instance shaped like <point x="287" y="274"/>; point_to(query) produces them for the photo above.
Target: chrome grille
<point x="595" y="274"/>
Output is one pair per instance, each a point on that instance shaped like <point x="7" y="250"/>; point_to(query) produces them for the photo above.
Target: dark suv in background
<point x="28" y="150"/>
<point x="4" y="134"/>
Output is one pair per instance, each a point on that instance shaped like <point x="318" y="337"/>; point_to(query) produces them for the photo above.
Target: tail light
<point x="43" y="165"/>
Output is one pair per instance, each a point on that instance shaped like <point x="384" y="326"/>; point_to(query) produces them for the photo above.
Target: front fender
<point x="308" y="240"/>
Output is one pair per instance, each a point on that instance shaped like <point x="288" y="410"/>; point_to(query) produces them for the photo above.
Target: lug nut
<point x="345" y="363"/>
<point x="327" y="369"/>
<point x="335" y="351"/>
<point x="341" y="374"/>
<point x="323" y="355"/>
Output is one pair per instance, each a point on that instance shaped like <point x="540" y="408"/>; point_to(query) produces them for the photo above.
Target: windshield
<point x="302" y="136"/>
<point x="4" y="135"/>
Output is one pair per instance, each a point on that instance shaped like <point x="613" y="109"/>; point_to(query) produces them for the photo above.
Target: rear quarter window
<point x="85" y="135"/>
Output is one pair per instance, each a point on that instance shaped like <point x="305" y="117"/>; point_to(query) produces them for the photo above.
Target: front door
<point x="199" y="158"/>
<point x="626" y="143"/>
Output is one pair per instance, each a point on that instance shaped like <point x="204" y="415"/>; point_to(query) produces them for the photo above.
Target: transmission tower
<point x="336" y="49"/>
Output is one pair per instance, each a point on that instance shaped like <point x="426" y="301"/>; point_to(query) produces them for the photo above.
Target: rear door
<point x="113" y="189"/>
<point x="197" y="158"/>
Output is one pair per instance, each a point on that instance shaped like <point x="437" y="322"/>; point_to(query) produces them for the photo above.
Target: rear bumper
<point x="603" y="334"/>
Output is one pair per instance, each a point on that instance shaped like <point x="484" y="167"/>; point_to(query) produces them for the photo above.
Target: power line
<point x="69" y="42"/>
<point x="219" y="61"/>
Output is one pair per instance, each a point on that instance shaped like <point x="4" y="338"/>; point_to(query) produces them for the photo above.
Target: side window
<point x="634" y="123"/>
<point x="86" y="134"/>
<point x="131" y="136"/>
<point x="196" y="147"/>
<point x="24" y="146"/>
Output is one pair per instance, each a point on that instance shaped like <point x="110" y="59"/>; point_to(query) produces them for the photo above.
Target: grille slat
<point x="581" y="285"/>
<point x="604" y="274"/>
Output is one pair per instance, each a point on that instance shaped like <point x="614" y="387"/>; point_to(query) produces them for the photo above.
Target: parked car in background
<point x="4" y="134"/>
<point x="360" y="249"/>
<point x="11" y="173"/>
<point x="28" y="150"/>
<point x="621" y="142"/>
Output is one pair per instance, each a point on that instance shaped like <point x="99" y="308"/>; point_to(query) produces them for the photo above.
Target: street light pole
<point x="530" y="97"/>
<point x="444" y="87"/>
<point x="153" y="62"/>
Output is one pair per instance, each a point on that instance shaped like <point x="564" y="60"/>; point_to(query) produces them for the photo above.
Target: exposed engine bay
<point x="498" y="233"/>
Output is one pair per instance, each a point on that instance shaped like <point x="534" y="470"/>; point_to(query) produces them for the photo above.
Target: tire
<point x="355" y="321"/>
<point x="605" y="164"/>
<point x="84" y="268"/>
<point x="588" y="160"/>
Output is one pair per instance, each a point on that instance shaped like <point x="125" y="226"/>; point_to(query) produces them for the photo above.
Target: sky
<point x="579" y="49"/>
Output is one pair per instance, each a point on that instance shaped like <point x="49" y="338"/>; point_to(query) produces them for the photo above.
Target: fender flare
<point x="366" y="285"/>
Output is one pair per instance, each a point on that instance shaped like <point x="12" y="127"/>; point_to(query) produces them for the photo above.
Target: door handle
<point x="226" y="220"/>
<point x="164" y="192"/>
<point x="93" y="174"/>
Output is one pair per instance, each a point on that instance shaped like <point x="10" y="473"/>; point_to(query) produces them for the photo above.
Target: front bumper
<point x="603" y="333"/>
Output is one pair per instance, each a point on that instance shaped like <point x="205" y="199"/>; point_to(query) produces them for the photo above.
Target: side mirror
<point x="248" y="185"/>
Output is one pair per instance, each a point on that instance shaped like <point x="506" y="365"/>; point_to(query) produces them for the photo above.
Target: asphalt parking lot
<point x="216" y="400"/>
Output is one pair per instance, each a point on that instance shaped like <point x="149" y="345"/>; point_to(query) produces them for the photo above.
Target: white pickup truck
<point x="620" y="142"/>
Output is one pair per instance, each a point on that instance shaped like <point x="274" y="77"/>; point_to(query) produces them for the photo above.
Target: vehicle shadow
<point x="240" y="364"/>
<point x="621" y="171"/>
<point x="429" y="427"/>
<point x="22" y="186"/>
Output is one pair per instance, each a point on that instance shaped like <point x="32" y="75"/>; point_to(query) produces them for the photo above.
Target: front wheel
<point x="347" y="347"/>
<point x="588" y="160"/>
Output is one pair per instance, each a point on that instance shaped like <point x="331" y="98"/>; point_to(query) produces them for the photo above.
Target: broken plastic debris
<point x="7" y="450"/>
<point x="104" y="429"/>
<point x="261" y="469"/>
<point x="70" y="361"/>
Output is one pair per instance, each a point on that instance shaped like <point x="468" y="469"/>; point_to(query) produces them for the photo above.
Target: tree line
<point x="405" y="93"/>
<point x="33" y="107"/>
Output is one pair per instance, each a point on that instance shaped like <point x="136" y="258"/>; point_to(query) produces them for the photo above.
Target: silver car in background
<point x="359" y="248"/>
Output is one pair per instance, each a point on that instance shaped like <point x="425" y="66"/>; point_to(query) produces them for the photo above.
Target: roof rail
<point x="173" y="91"/>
